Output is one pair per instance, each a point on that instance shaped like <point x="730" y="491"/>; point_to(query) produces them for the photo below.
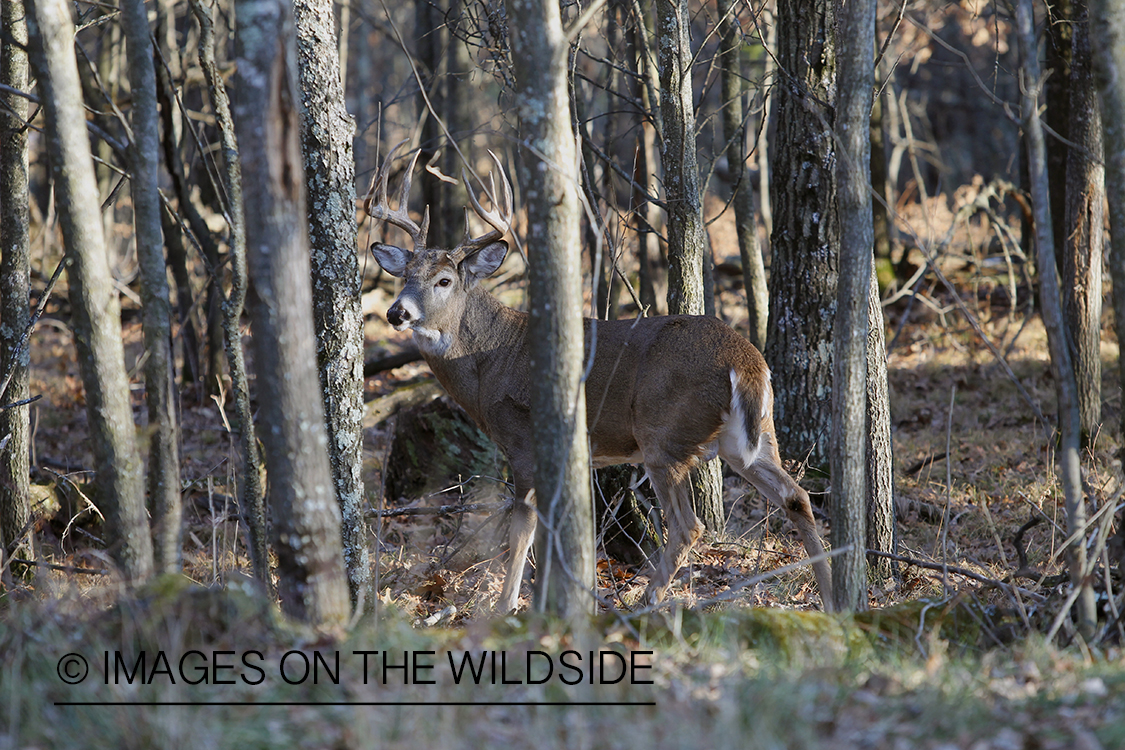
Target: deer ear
<point x="484" y="262"/>
<point x="392" y="259"/>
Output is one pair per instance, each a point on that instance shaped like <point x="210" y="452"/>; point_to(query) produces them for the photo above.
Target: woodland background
<point x="968" y="639"/>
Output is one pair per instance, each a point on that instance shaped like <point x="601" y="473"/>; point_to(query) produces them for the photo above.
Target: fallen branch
<point x="382" y="409"/>
<point x="391" y="361"/>
<point x="440" y="510"/>
<point x="959" y="571"/>
<point x="62" y="568"/>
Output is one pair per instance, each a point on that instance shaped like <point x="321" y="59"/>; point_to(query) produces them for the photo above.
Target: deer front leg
<point x="520" y="536"/>
<point x="766" y="473"/>
<point x="684" y="528"/>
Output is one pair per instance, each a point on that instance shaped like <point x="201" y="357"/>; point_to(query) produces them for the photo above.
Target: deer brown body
<point x="664" y="391"/>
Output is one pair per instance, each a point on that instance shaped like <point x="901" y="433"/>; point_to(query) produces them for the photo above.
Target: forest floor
<point x="942" y="660"/>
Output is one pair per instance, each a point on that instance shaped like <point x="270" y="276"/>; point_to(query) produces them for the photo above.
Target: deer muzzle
<point x="398" y="316"/>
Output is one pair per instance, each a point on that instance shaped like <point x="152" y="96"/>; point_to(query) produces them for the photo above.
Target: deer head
<point x="437" y="281"/>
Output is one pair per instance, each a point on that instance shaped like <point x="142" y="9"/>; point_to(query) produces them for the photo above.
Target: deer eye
<point x="444" y="282"/>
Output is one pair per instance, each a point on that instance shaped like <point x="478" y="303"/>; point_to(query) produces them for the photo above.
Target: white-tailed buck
<point x="665" y="391"/>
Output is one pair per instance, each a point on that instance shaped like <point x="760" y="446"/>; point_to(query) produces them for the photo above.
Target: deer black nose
<point x="398" y="314"/>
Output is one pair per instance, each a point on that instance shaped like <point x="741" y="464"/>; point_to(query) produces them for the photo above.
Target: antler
<point x="398" y="217"/>
<point x="499" y="218"/>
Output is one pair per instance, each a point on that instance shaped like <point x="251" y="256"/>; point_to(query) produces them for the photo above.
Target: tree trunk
<point x="15" y="283"/>
<point x="881" y="535"/>
<point x="1083" y="228"/>
<point x="687" y="243"/>
<point x="96" y="317"/>
<point x="1070" y="471"/>
<point x="251" y="493"/>
<point x="306" y="520"/>
<point x="857" y="238"/>
<point x="326" y="143"/>
<point x="156" y="313"/>
<point x="804" y="269"/>
<point x="1058" y="43"/>
<point x="641" y="208"/>
<point x="734" y="134"/>
<point x="564" y="545"/>
<point x="1107" y="37"/>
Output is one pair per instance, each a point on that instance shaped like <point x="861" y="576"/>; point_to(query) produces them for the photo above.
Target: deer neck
<point x="479" y="353"/>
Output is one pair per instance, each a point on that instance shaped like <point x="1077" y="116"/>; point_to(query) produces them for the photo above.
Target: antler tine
<point x="499" y="218"/>
<point x="400" y="216"/>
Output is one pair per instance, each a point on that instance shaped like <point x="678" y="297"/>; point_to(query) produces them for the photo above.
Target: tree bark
<point x="857" y="239"/>
<point x="156" y="313"/>
<point x="1083" y="228"/>
<point x="734" y="133"/>
<point x="804" y="269"/>
<point x="326" y="143"/>
<point x="15" y="283"/>
<point x="564" y="544"/>
<point x="881" y="535"/>
<point x="96" y="318"/>
<point x="1107" y="37"/>
<point x="1062" y="369"/>
<point x="306" y="528"/>
<point x="687" y="243"/>
<point x="1058" y="48"/>
<point x="251" y="492"/>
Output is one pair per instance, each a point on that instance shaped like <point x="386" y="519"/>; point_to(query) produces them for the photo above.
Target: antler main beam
<point x="399" y="217"/>
<point x="499" y="218"/>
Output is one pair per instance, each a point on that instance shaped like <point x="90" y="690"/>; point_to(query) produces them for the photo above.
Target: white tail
<point x="665" y="391"/>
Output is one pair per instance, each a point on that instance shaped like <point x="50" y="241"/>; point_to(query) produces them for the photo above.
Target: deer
<point x="665" y="391"/>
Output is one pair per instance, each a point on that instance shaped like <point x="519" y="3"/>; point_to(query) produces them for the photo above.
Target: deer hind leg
<point x="762" y="468"/>
<point x="520" y="536"/>
<point x="673" y="490"/>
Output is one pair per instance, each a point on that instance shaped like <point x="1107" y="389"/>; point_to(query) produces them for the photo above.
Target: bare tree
<point x="326" y="143"/>
<point x="251" y="492"/>
<point x="96" y="316"/>
<point x="687" y="241"/>
<point x="805" y="263"/>
<point x="565" y="537"/>
<point x="1062" y="370"/>
<point x="734" y="133"/>
<point x="156" y="307"/>
<point x="15" y="281"/>
<point x="1107" y="36"/>
<point x="1082" y="227"/>
<point x="857" y="239"/>
<point x="306" y="519"/>
<point x="881" y="536"/>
